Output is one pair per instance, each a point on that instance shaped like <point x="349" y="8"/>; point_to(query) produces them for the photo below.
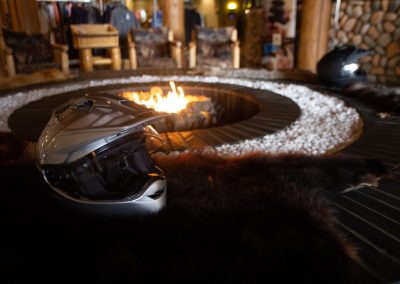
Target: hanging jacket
<point x="123" y="20"/>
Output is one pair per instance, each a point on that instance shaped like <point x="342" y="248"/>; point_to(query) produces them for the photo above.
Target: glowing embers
<point x="187" y="112"/>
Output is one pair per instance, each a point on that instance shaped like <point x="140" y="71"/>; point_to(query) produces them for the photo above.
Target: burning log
<point x="187" y="112"/>
<point x="197" y="114"/>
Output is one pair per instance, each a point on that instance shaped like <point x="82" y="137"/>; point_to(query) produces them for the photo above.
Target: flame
<point x="173" y="102"/>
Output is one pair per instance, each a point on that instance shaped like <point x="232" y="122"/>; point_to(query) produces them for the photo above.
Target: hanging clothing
<point x="85" y="15"/>
<point x="123" y="20"/>
<point x="192" y="19"/>
<point x="81" y="14"/>
<point x="157" y="20"/>
<point x="93" y="15"/>
<point x="52" y="15"/>
<point x="57" y="14"/>
<point x="66" y="10"/>
<point x="44" y="19"/>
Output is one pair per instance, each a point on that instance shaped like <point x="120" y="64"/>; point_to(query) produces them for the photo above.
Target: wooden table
<point x="85" y="37"/>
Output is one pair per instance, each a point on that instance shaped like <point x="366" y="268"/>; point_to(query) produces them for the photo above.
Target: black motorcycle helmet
<point x="340" y="67"/>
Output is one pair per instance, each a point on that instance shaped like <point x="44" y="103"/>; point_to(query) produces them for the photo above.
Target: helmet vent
<point x="61" y="110"/>
<point x="84" y="105"/>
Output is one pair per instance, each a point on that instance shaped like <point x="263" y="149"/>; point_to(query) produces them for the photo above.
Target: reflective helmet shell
<point x="93" y="155"/>
<point x="340" y="67"/>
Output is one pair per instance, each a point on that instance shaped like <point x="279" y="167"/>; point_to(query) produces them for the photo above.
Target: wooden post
<point x="10" y="65"/>
<point x="236" y="55"/>
<point x="115" y="58"/>
<point x="235" y="50"/>
<point x="178" y="54"/>
<point x="174" y="18"/>
<point x="314" y="31"/>
<point x="132" y="52"/>
<point x="132" y="58"/>
<point x="64" y="61"/>
<point x="192" y="55"/>
<point x="86" y="59"/>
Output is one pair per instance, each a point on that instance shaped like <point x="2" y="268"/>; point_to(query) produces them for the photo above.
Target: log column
<point x="174" y="18"/>
<point x="24" y="15"/>
<point x="314" y="33"/>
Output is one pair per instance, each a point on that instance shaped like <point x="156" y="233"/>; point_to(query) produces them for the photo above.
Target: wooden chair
<point x="86" y="37"/>
<point x="154" y="47"/>
<point x="214" y="47"/>
<point x="26" y="53"/>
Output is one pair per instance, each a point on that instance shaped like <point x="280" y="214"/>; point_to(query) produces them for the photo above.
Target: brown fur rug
<point x="259" y="218"/>
<point x="384" y="100"/>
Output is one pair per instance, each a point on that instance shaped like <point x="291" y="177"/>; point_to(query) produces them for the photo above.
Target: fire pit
<point x="218" y="113"/>
<point x="187" y="112"/>
<point x="195" y="107"/>
<point x="264" y="116"/>
<point x="235" y="113"/>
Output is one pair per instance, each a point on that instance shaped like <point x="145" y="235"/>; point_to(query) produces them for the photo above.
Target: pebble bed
<point x="325" y="123"/>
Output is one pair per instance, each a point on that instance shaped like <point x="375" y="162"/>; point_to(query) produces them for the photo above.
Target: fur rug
<point x="386" y="101"/>
<point x="227" y="220"/>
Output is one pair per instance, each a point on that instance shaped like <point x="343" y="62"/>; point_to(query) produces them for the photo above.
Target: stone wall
<point x="372" y="25"/>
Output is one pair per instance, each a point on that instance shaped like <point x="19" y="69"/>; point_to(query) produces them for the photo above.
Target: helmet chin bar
<point x="120" y="176"/>
<point x="151" y="199"/>
<point x="114" y="171"/>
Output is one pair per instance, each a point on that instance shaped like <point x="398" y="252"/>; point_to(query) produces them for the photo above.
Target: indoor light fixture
<point x="232" y="5"/>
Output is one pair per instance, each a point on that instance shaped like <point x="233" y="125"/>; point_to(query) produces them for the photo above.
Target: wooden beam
<point x="314" y="33"/>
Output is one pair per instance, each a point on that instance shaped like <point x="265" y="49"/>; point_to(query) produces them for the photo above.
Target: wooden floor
<point x="370" y="217"/>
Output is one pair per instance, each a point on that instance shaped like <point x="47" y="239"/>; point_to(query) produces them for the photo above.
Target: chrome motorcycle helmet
<point x="93" y="155"/>
<point x="340" y="67"/>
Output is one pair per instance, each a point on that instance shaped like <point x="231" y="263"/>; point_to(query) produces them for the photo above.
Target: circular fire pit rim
<point x="263" y="121"/>
<point x="313" y="133"/>
<point x="274" y="112"/>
